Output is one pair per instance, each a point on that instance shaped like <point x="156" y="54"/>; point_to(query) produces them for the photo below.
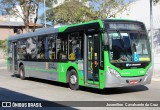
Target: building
<point x="12" y="28"/>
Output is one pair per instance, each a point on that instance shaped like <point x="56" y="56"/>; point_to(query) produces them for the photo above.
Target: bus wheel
<point x="21" y="72"/>
<point x="73" y="80"/>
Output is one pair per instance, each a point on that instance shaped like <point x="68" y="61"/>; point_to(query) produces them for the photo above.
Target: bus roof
<point x="50" y="30"/>
<point x="41" y="31"/>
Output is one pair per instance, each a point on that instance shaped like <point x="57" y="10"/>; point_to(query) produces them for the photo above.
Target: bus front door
<point x="15" y="63"/>
<point x="92" y="58"/>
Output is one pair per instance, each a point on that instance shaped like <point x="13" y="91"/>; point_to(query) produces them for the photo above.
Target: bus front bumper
<point x="114" y="81"/>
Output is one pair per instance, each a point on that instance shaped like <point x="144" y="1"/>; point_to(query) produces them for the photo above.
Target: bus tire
<point x="73" y="80"/>
<point x="22" y="72"/>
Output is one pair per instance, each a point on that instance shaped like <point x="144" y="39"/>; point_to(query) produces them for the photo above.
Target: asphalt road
<point x="15" y="89"/>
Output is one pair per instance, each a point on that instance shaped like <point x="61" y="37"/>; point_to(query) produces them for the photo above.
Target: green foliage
<point x="74" y="11"/>
<point x="156" y="1"/>
<point x="3" y="43"/>
<point x="108" y="8"/>
<point x="71" y="11"/>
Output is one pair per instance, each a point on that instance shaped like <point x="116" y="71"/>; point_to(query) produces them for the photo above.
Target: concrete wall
<point x="5" y="32"/>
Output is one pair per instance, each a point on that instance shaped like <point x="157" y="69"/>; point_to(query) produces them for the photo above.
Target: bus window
<point x="41" y="47"/>
<point x="52" y="46"/>
<point x="22" y="49"/>
<point x="31" y="48"/>
<point x="62" y="47"/>
<point x="75" y="46"/>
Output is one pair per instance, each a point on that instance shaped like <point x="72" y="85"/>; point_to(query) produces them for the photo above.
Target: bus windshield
<point x="128" y="46"/>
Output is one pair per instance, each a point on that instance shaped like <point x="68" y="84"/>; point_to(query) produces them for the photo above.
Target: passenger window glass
<point x="31" y="48"/>
<point x="22" y="49"/>
<point x="52" y="46"/>
<point x="75" y="46"/>
<point x="62" y="46"/>
<point x="41" y="47"/>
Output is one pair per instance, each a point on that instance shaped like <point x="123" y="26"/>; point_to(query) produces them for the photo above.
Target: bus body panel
<point x="43" y="70"/>
<point x="114" y="81"/>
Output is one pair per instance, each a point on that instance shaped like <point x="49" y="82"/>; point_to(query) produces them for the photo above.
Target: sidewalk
<point x="156" y="78"/>
<point x="3" y="64"/>
<point x="156" y="75"/>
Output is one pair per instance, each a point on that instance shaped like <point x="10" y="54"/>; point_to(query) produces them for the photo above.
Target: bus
<point x="100" y="54"/>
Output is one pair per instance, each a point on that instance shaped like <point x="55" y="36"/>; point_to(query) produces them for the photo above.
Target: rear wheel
<point x="73" y="80"/>
<point x="21" y="72"/>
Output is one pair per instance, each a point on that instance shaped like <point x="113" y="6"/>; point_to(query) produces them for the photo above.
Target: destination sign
<point x="125" y="26"/>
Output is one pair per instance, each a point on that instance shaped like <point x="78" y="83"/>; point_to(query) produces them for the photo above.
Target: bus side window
<point x="41" y="48"/>
<point x="52" y="46"/>
<point x="61" y="46"/>
<point x="75" y="46"/>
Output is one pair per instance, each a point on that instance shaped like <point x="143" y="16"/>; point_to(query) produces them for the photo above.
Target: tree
<point x="108" y="8"/>
<point x="156" y="1"/>
<point x="27" y="7"/>
<point x="74" y="11"/>
<point x="49" y="12"/>
<point x="71" y="11"/>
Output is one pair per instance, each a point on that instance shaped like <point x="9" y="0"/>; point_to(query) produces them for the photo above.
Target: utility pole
<point x="151" y="30"/>
<point x="44" y="11"/>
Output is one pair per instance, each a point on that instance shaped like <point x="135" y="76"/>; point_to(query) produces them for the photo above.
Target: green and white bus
<point x="100" y="54"/>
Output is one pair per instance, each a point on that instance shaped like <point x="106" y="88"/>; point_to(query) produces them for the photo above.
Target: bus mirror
<point x="105" y="39"/>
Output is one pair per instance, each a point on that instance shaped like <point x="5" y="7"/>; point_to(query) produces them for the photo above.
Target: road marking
<point x="41" y="85"/>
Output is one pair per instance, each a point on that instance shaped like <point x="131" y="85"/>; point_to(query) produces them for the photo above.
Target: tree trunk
<point x="35" y="21"/>
<point x="26" y="23"/>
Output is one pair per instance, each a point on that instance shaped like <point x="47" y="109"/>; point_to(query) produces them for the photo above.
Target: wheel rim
<point x="73" y="79"/>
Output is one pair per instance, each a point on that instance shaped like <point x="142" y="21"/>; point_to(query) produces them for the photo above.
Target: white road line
<point x="41" y="85"/>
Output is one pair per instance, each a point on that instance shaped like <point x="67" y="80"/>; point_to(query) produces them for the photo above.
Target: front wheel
<point x="21" y="72"/>
<point x="73" y="80"/>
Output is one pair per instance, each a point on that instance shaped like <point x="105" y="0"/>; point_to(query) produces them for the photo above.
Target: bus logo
<point x="136" y="57"/>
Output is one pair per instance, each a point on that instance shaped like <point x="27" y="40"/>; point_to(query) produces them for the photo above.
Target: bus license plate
<point x="133" y="82"/>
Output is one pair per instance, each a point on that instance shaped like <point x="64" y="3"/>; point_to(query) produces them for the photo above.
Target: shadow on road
<point x="12" y="96"/>
<point x="120" y="90"/>
<point x="44" y="81"/>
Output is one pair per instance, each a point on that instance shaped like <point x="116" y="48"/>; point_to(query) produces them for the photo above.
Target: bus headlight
<point x="149" y="71"/>
<point x="112" y="71"/>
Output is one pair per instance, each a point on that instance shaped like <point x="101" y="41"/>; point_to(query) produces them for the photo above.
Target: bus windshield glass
<point x="128" y="46"/>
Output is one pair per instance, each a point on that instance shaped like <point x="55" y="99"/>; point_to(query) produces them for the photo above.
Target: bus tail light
<point x="112" y="71"/>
